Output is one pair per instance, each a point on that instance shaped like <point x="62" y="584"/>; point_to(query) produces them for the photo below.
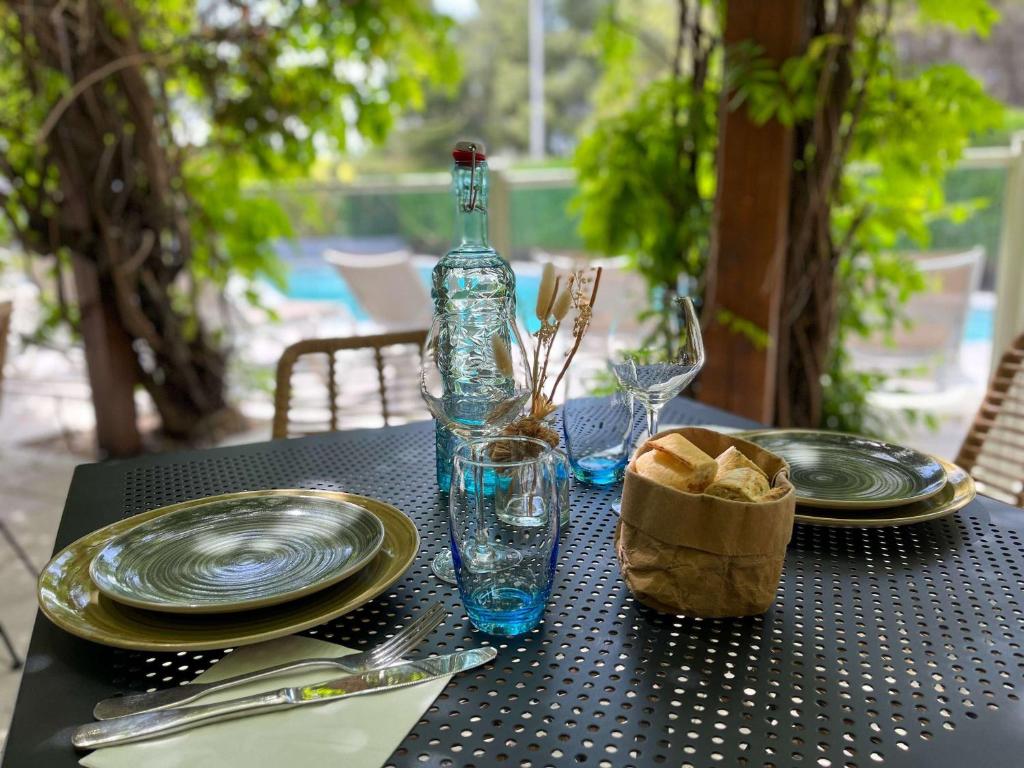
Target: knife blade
<point x="148" y="725"/>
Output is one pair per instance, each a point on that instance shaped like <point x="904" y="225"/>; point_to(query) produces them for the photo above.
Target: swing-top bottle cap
<point x="465" y="151"/>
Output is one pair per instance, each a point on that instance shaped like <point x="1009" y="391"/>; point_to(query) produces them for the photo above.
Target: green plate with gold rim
<point x="833" y="470"/>
<point x="237" y="554"/>
<point x="958" y="492"/>
<point x="68" y="597"/>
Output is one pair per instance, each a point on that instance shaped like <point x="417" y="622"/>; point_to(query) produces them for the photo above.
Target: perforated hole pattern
<point x="879" y="640"/>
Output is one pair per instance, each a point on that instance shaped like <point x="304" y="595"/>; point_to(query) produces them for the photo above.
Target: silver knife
<point x="148" y="725"/>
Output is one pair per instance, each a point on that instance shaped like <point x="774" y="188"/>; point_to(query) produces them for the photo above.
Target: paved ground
<point x="33" y="487"/>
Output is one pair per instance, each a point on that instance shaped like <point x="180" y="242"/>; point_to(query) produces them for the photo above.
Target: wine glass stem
<point x="481" y="523"/>
<point x="653" y="411"/>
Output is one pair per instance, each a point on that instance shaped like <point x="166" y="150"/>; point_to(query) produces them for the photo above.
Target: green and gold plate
<point x="958" y="492"/>
<point x="831" y="470"/>
<point x="69" y="598"/>
<point x="237" y="554"/>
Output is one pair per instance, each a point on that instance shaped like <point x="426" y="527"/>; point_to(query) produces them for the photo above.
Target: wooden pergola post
<point x="746" y="269"/>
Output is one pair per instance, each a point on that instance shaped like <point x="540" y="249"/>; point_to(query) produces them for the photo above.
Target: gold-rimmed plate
<point x="958" y="492"/>
<point x="68" y="597"/>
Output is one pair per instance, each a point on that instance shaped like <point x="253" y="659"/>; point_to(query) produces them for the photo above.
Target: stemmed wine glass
<point x="655" y="358"/>
<point x="475" y="379"/>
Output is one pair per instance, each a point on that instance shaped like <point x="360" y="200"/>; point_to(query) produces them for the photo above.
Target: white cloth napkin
<point x="360" y="732"/>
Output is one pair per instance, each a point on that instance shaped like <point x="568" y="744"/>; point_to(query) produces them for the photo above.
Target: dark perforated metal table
<point x="894" y="647"/>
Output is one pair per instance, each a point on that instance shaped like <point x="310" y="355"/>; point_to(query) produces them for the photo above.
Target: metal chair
<point x="993" y="451"/>
<point x="319" y="383"/>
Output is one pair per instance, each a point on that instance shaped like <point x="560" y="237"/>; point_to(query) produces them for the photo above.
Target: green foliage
<point x="910" y="130"/>
<point x="491" y="101"/>
<point x="976" y="16"/>
<point x="646" y="170"/>
<point x="250" y="92"/>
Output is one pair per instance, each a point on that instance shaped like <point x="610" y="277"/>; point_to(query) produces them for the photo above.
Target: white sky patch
<point x="460" y="10"/>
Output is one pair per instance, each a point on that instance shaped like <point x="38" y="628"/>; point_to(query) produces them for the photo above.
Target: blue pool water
<point x="980" y="324"/>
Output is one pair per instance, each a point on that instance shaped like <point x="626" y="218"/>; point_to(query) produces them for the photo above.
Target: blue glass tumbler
<point x="598" y="424"/>
<point x="504" y="518"/>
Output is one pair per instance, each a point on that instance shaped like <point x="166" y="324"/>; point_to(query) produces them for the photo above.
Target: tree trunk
<point x="111" y="366"/>
<point x="808" y="321"/>
<point x="123" y="208"/>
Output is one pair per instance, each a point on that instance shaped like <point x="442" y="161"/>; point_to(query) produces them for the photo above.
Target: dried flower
<point x="546" y="292"/>
<point x="562" y="304"/>
<point x="579" y="293"/>
<point x="502" y="355"/>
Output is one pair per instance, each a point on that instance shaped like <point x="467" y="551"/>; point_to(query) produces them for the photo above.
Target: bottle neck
<point x="470" y="188"/>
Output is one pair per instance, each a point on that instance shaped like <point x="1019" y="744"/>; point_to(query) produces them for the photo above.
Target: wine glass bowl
<point x="654" y="359"/>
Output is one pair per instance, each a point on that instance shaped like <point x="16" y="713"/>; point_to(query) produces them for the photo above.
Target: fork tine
<point x="409" y="641"/>
<point x="409" y="635"/>
<point x="427" y="620"/>
<point x="393" y="649"/>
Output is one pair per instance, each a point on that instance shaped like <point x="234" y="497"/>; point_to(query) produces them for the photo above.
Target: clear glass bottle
<point x="472" y="286"/>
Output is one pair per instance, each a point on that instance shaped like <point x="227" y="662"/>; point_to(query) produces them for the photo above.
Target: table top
<point x="895" y="647"/>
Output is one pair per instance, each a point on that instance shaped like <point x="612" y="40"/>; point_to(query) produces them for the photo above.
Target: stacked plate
<point x="846" y="480"/>
<point x="227" y="570"/>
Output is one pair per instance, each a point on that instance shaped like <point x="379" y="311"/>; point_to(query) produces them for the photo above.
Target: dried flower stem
<point x="551" y="311"/>
<point x="545" y="336"/>
<point x="579" y="333"/>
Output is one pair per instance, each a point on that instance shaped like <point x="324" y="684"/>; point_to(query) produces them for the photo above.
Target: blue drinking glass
<point x="598" y="424"/>
<point x="505" y="537"/>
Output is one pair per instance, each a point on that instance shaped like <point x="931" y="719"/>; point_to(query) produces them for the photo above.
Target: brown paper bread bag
<point x="700" y="555"/>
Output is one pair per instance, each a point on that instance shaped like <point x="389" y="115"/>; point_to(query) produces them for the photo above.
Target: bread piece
<point x="733" y="458"/>
<point x="739" y="485"/>
<point x="775" y="493"/>
<point x="664" y="469"/>
<point x="697" y="468"/>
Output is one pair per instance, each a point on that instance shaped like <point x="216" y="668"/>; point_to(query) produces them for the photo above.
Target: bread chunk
<point x="665" y="469"/>
<point x="733" y="458"/>
<point x="698" y="468"/>
<point x="775" y="493"/>
<point x="740" y="485"/>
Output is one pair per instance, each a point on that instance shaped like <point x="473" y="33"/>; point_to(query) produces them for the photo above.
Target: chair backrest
<point x="320" y="382"/>
<point x="938" y="314"/>
<point x="387" y="286"/>
<point x="993" y="451"/>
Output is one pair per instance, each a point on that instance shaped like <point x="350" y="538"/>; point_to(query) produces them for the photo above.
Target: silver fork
<point x="384" y="655"/>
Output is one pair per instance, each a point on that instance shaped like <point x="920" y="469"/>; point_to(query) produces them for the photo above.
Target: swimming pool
<point x="317" y="281"/>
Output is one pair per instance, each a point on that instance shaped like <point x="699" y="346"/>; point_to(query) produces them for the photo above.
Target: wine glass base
<point x="443" y="566"/>
<point x="491" y="558"/>
<point x="481" y="559"/>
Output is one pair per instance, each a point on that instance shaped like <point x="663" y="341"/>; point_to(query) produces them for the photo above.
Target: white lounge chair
<point x="387" y="286"/>
<point x="929" y="347"/>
